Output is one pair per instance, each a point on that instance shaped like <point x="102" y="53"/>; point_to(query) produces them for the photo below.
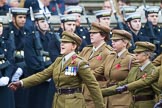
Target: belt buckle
<point x="70" y="91"/>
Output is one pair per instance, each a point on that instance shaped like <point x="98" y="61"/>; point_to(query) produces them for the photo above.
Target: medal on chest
<point x="71" y="71"/>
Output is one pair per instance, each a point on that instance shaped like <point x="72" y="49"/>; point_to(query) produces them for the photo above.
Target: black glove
<point x="158" y="105"/>
<point x="121" y="89"/>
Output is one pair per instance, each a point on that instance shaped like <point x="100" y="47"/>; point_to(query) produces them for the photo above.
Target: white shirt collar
<point x="144" y="66"/>
<point x="69" y="55"/>
<point x="121" y="52"/>
<point x="95" y="49"/>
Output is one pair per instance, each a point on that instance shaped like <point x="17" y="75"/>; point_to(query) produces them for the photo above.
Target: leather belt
<point x="143" y="97"/>
<point x="68" y="90"/>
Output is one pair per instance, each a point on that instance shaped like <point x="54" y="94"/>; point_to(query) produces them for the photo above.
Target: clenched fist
<point x="15" y="85"/>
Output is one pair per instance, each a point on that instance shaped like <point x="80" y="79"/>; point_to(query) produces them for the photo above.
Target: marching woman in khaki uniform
<point x="69" y="73"/>
<point x="95" y="54"/>
<point x="143" y="97"/>
<point x="117" y="66"/>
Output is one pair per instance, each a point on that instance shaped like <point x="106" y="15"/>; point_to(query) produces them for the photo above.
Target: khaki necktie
<point x="63" y="61"/>
<point x="92" y="53"/>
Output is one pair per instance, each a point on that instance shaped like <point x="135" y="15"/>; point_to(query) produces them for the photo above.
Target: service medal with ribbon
<point x="72" y="71"/>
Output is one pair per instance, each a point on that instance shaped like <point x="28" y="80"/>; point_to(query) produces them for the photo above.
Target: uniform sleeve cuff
<point x="21" y="83"/>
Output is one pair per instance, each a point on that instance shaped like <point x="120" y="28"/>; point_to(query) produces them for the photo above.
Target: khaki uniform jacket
<point x="154" y="77"/>
<point x="95" y="61"/>
<point x="158" y="60"/>
<point x="98" y="57"/>
<point x="57" y="72"/>
<point x="136" y="74"/>
<point x="116" y="69"/>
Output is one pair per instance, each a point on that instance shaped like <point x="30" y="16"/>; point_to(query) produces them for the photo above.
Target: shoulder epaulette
<point x="132" y="54"/>
<point x="109" y="47"/>
<point x="89" y="45"/>
<point x="60" y="55"/>
<point x="80" y="57"/>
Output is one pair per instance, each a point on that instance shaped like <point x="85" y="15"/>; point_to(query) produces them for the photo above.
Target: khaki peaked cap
<point x="99" y="27"/>
<point x="71" y="37"/>
<point x="144" y="46"/>
<point x="120" y="34"/>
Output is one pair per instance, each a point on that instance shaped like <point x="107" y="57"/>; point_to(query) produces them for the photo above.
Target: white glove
<point x="48" y="80"/>
<point x="17" y="75"/>
<point x="4" y="81"/>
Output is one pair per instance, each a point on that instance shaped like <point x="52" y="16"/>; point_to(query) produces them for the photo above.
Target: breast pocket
<point x="75" y="100"/>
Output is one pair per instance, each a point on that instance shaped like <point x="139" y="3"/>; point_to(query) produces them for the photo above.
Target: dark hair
<point x="106" y="35"/>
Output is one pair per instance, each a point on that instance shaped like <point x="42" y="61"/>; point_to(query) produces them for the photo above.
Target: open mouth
<point x="62" y="48"/>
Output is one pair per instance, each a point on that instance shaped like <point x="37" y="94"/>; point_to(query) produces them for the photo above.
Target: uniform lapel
<point x="109" y="63"/>
<point x="146" y="70"/>
<point x="59" y="63"/>
<point x="119" y="59"/>
<point x="67" y="63"/>
<point x="89" y="52"/>
<point x="134" y="73"/>
<point x="124" y="55"/>
<point x="96" y="53"/>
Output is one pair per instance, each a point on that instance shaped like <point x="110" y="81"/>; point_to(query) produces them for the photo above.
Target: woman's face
<point x="118" y="45"/>
<point x="141" y="57"/>
<point x="67" y="47"/>
<point x="43" y="25"/>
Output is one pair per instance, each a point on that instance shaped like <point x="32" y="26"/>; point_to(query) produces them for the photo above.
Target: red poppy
<point x="73" y="59"/>
<point x="118" y="66"/>
<point x="99" y="57"/>
<point x="144" y="75"/>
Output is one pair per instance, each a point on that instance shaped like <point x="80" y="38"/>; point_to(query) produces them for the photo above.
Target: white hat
<point x="132" y="16"/>
<point x="19" y="11"/>
<point x="128" y="9"/>
<point x="74" y="9"/>
<point x="66" y="18"/>
<point x="103" y="13"/>
<point x="1" y="20"/>
<point x="153" y="9"/>
<point x="41" y="15"/>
